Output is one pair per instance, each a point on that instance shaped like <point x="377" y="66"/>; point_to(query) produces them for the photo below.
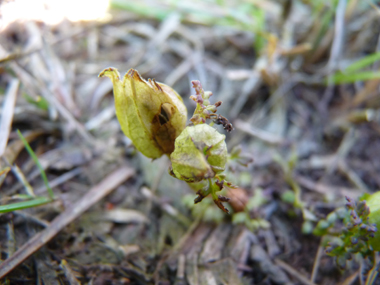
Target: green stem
<point x="212" y="189"/>
<point x="25" y="204"/>
<point x="296" y="189"/>
<point x="36" y="161"/>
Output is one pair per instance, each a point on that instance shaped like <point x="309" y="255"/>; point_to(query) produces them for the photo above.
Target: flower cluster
<point x="355" y="236"/>
<point x="205" y="110"/>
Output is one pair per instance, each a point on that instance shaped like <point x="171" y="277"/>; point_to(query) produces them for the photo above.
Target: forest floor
<point x="291" y="85"/>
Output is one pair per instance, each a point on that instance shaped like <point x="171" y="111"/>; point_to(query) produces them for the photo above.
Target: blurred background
<point x="299" y="81"/>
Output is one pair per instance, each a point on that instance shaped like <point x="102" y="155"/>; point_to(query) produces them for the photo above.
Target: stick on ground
<point x="96" y="193"/>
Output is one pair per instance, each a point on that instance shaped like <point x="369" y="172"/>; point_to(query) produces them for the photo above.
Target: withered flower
<point x="151" y="114"/>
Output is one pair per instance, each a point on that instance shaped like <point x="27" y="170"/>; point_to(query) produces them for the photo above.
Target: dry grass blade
<point x="94" y="195"/>
<point x="293" y="272"/>
<point x="7" y="114"/>
<point x="350" y="279"/>
<point x="258" y="133"/>
<point x="69" y="273"/>
<point x="337" y="46"/>
<point x="317" y="261"/>
<point x="34" y="83"/>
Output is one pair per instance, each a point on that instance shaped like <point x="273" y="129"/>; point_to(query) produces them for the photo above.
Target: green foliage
<point x="356" y="235"/>
<point x="242" y="15"/>
<point x="37" y="162"/>
<point x="245" y="217"/>
<point x="205" y="210"/>
<point x="40" y="102"/>
<point x="31" y="201"/>
<point x="288" y="164"/>
<point x="236" y="157"/>
<point x="341" y="77"/>
<point x="325" y="226"/>
<point x="250" y="223"/>
<point x="140" y="9"/>
<point x="288" y="197"/>
<point x="307" y="227"/>
<point x="354" y="71"/>
<point x="373" y="202"/>
<point x="324" y="18"/>
<point x="363" y="62"/>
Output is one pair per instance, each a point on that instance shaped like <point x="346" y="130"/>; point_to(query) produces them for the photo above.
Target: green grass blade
<point x="40" y="102"/>
<point x="25" y="204"/>
<point x="140" y="9"/>
<point x="325" y="21"/>
<point x="36" y="161"/>
<point x="341" y="78"/>
<point x="361" y="63"/>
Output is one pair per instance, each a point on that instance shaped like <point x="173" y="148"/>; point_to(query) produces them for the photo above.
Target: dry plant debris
<point x="299" y="82"/>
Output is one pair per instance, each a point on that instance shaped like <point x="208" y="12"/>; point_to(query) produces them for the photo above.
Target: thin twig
<point x="351" y="279"/>
<point x="317" y="260"/>
<point x="293" y="272"/>
<point x="61" y="179"/>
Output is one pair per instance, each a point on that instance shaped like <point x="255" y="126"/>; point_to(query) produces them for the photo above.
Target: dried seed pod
<point x="151" y="114"/>
<point x="239" y="199"/>
<point x="200" y="153"/>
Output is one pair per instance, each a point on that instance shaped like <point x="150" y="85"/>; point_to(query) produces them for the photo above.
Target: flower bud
<point x="151" y="114"/>
<point x="200" y="153"/>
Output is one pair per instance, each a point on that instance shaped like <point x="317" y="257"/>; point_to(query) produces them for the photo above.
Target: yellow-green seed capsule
<point x="151" y="114"/>
<point x="200" y="153"/>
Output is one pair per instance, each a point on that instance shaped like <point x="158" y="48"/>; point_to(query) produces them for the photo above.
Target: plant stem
<point x="37" y="162"/>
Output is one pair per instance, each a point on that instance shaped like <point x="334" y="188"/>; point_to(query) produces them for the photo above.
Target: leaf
<point x="239" y="218"/>
<point x="40" y="102"/>
<point x="37" y="162"/>
<point x="363" y="62"/>
<point x="340" y="78"/>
